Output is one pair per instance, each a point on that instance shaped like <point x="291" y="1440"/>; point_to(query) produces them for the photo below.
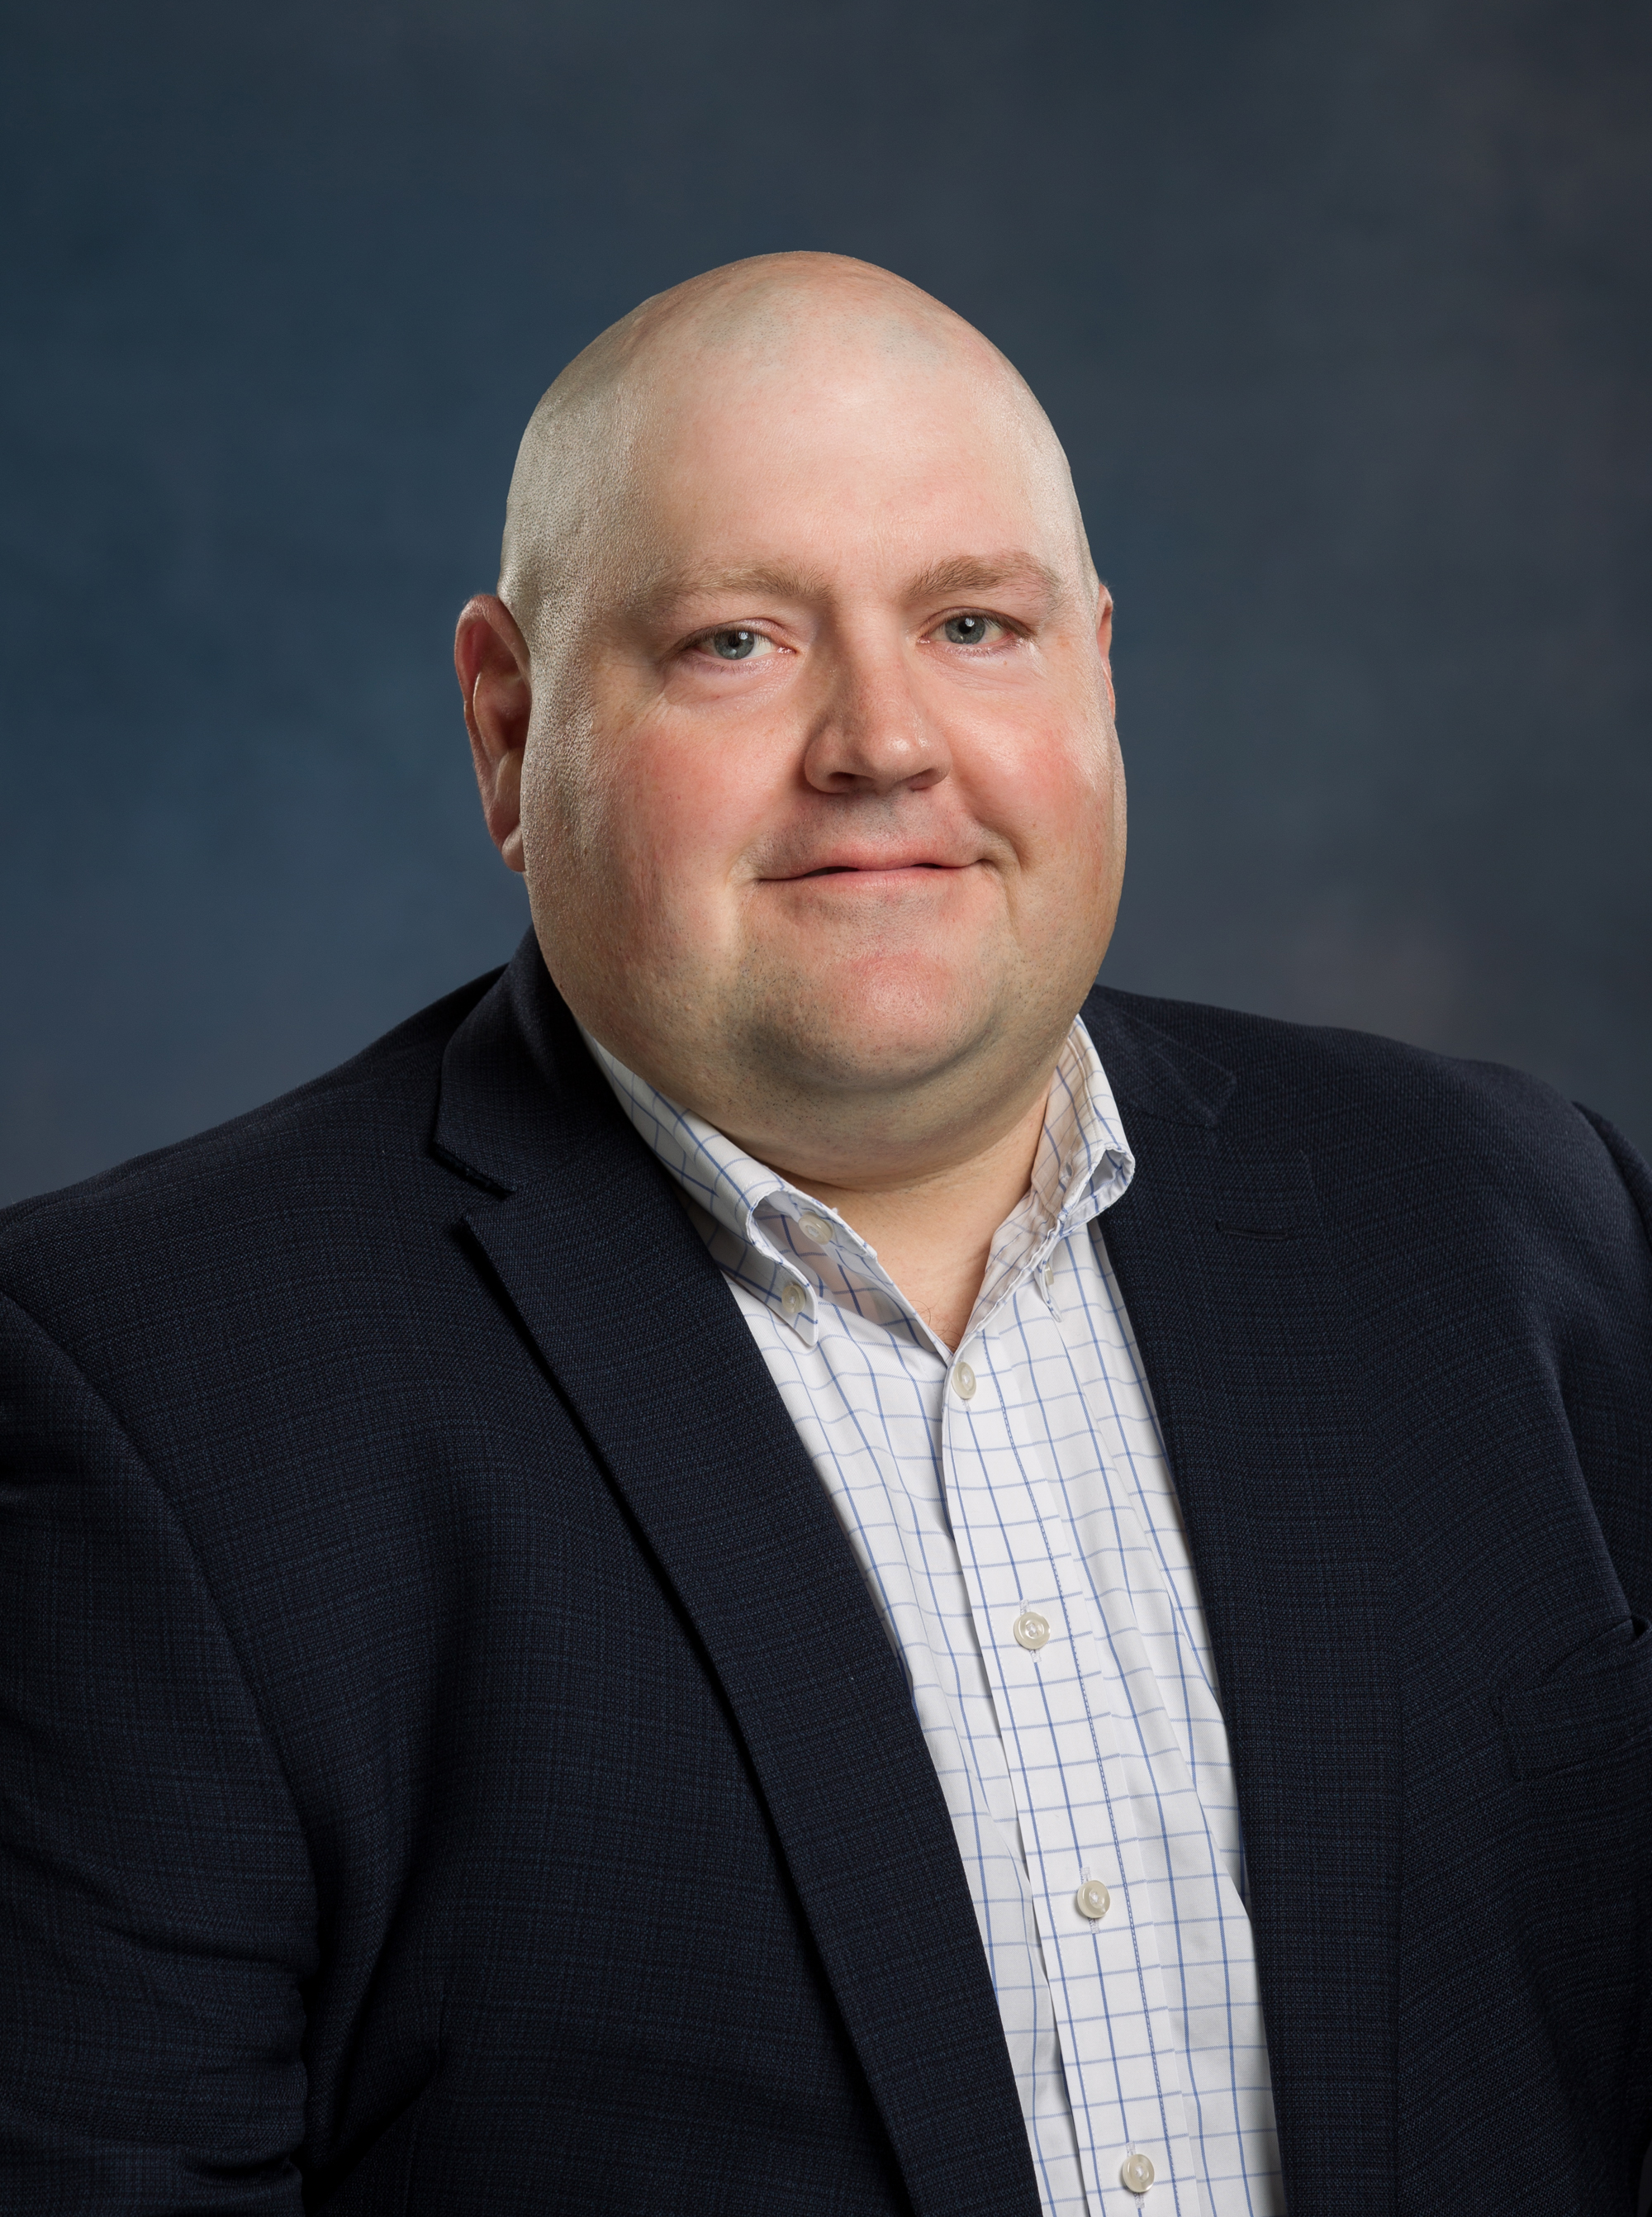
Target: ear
<point x="1104" y="640"/>
<point x="495" y="672"/>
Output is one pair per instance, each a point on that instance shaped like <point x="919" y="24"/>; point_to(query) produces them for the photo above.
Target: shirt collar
<point x="753" y="1219"/>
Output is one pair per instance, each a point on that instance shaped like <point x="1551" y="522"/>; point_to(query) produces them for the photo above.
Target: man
<point x="784" y="1560"/>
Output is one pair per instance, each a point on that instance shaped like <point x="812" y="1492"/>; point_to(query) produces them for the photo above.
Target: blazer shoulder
<point x="1350" y="1095"/>
<point x="376" y="1108"/>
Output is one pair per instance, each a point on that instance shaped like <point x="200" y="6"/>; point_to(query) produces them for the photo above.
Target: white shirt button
<point x="1031" y="1629"/>
<point x="1092" y="1900"/>
<point x="964" y="1378"/>
<point x="814" y="1228"/>
<point x="1136" y="2173"/>
<point x="792" y="1299"/>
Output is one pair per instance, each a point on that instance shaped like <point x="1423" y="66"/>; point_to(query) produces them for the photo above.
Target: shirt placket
<point x="1034" y="1619"/>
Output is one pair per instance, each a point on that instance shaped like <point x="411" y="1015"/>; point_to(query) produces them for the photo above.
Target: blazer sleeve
<point x="157" y="1914"/>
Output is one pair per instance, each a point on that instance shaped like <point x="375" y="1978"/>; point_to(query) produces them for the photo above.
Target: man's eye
<point x="737" y="645"/>
<point x="969" y="631"/>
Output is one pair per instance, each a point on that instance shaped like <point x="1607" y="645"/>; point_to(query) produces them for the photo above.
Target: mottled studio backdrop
<point x="1343" y="314"/>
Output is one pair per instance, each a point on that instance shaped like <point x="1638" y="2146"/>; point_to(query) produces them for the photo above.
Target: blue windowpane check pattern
<point x="1019" y="1483"/>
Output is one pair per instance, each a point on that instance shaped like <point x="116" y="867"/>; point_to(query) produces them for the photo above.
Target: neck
<point x="933" y="1230"/>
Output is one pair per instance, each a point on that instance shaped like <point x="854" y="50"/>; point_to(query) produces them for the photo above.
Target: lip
<point x="873" y="869"/>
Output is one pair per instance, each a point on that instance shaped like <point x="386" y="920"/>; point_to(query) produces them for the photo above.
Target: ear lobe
<point x="495" y="671"/>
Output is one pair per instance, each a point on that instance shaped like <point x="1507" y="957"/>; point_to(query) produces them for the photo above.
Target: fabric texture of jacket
<point x="449" y="1761"/>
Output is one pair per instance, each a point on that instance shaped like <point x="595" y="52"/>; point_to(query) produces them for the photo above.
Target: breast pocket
<point x="1591" y="1707"/>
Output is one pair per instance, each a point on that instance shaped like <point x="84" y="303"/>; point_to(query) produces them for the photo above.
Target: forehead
<point x="913" y="458"/>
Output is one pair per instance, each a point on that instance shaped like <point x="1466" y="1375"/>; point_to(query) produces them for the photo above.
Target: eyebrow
<point x="656" y="597"/>
<point x="974" y="573"/>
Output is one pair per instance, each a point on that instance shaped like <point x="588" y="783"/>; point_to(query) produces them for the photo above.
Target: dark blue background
<point x="1343" y="315"/>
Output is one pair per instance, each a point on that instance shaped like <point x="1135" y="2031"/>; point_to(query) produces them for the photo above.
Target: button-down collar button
<point x="1031" y="1629"/>
<point x="964" y="1378"/>
<point x="792" y="1299"/>
<point x="1136" y="2173"/>
<point x="814" y="1228"/>
<point x="1092" y="1900"/>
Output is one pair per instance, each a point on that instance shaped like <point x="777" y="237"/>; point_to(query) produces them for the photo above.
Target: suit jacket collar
<point x="1151" y="1072"/>
<point x="520" y="1096"/>
<point x="1249" y="1347"/>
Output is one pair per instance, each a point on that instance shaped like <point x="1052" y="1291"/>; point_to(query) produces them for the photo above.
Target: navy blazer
<point x="450" y="1762"/>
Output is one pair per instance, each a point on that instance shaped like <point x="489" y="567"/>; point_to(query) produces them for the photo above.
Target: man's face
<point x="821" y="799"/>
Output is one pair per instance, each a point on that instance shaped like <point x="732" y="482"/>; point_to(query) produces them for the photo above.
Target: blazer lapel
<point x="1248" y="1341"/>
<point x="648" y="1349"/>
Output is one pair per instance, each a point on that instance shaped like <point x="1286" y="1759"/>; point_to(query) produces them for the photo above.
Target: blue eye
<point x="966" y="630"/>
<point x="732" y="645"/>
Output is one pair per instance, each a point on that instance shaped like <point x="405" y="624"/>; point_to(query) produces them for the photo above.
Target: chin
<point x="852" y="1038"/>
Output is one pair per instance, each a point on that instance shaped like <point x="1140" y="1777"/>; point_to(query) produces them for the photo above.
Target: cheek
<point x="1055" y="796"/>
<point x="650" y="826"/>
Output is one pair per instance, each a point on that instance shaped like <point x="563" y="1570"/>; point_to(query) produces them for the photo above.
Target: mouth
<point x="874" y="870"/>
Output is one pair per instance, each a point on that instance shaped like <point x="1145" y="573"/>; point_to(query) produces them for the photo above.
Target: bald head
<point x="746" y="334"/>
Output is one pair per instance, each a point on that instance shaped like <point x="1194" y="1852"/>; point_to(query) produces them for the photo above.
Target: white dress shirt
<point x="1013" y="1515"/>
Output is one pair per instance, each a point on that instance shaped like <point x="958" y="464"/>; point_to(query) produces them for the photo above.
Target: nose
<point x="871" y="732"/>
